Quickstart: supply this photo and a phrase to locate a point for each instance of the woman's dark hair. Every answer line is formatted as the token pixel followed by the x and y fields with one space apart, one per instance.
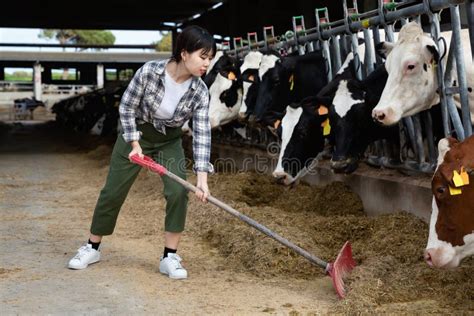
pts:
pixel 192 39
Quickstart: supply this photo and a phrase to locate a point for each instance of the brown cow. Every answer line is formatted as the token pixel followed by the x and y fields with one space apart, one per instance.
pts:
pixel 451 236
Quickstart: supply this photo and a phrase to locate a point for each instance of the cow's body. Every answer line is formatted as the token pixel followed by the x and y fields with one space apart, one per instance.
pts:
pixel 451 235
pixel 412 82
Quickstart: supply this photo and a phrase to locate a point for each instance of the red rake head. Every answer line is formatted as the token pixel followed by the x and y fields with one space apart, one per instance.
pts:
pixel 341 267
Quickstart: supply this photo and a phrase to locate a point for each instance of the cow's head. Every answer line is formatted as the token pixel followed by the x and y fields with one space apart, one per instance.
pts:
pixel 451 235
pixel 224 89
pixel 274 85
pixel 250 81
pixel 412 82
pixel 302 139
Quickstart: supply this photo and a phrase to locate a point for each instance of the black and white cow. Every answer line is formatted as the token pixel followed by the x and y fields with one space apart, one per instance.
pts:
pixel 302 128
pixel 288 80
pixel 302 134
pixel 225 89
pixel 250 81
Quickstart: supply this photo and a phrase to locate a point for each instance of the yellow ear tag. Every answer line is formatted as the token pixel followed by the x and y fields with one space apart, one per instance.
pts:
pixel 231 76
pixel 454 191
pixel 322 110
pixel 457 179
pixel 326 127
pixel 292 82
pixel 465 176
pixel 276 124
pixel 251 78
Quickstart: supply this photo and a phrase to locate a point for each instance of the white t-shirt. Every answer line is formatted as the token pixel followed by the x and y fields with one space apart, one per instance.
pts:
pixel 173 93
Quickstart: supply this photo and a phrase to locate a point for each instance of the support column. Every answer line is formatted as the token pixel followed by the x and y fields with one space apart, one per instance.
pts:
pixel 2 73
pixel 38 93
pixel 100 76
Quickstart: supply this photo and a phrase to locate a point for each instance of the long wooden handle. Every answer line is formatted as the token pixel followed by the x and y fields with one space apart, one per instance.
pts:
pixel 148 163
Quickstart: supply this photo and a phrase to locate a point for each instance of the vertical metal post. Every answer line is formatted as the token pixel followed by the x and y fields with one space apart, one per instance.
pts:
pixel 418 139
pixel 38 93
pixel 448 96
pixel 461 70
pixel 299 29
pixel 268 35
pixel 100 76
pixel 376 36
pixel 324 42
pixel 354 41
pixel 411 133
pixel 428 124
pixel 253 35
pixel 369 53
pixel 337 54
pixel 435 32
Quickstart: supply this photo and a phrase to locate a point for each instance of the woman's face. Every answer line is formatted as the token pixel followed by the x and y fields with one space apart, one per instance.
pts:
pixel 197 62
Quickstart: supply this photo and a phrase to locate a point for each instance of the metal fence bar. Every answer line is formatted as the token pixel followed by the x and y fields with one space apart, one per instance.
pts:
pixel 369 53
pixel 428 124
pixel 461 70
pixel 435 31
pixel 326 36
pixel 452 110
pixel 418 139
pixel 389 17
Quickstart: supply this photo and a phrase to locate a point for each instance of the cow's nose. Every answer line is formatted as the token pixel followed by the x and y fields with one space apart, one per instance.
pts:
pixel 378 115
pixel 279 174
pixel 428 259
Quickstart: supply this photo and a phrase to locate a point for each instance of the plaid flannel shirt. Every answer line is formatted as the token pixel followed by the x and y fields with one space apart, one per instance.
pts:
pixel 143 97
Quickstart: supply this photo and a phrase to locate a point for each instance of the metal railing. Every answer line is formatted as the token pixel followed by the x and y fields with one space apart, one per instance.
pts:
pixel 326 36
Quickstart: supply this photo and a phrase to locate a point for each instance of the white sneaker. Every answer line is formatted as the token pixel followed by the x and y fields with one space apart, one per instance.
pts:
pixel 85 255
pixel 171 266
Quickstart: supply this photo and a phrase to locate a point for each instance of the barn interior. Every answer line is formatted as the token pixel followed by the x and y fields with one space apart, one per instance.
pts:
pixel 50 176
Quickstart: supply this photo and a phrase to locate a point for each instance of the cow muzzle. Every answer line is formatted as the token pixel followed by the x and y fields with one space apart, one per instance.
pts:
pixel 242 116
pixel 442 257
pixel 283 178
pixel 384 116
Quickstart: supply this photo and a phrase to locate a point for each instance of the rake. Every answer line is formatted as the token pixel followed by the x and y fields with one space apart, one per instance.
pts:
pixel 337 270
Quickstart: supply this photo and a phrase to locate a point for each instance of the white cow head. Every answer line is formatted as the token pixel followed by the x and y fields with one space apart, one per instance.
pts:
pixel 412 82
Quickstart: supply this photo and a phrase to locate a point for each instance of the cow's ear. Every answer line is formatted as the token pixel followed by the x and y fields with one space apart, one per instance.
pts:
pixel 434 52
pixel 384 48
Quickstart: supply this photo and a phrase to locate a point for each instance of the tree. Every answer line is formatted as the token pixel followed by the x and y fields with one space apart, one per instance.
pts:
pixel 83 37
pixel 165 43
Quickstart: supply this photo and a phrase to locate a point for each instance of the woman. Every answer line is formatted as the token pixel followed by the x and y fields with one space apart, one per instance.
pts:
pixel 160 98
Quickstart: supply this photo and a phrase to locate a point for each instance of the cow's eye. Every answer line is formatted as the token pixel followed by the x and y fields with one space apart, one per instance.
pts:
pixel 441 190
pixel 411 67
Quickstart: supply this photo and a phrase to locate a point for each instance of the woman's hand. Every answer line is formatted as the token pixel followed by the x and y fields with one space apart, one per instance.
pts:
pixel 136 149
pixel 202 186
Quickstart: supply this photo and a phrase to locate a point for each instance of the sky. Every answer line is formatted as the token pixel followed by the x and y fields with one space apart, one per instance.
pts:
pixel 20 35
